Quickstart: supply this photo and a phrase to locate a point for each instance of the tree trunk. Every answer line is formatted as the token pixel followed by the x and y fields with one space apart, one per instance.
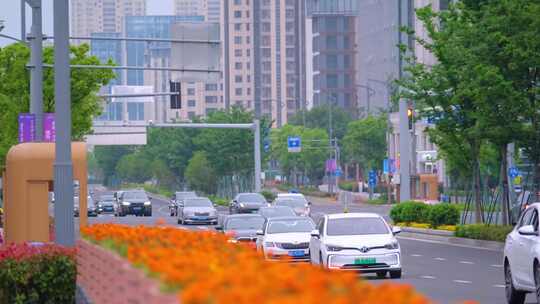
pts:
pixel 477 185
pixel 346 171
pixel 504 179
pixel 357 172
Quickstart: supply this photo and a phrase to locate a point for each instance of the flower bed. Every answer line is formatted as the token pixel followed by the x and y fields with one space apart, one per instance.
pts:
pixel 203 267
pixel 43 273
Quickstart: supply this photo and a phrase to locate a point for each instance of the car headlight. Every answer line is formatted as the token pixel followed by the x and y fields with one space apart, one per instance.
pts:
pixel 126 203
pixel 147 203
pixel 269 244
pixel 232 241
pixel 242 205
pixel 333 248
pixel 392 245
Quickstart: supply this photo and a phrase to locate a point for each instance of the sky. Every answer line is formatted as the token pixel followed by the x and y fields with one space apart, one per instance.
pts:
pixel 10 12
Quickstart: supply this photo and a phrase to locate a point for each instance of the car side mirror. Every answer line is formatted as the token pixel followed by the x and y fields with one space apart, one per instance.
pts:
pixel 309 203
pixel 315 234
pixel 235 201
pixel 527 230
pixel 260 232
pixel 396 230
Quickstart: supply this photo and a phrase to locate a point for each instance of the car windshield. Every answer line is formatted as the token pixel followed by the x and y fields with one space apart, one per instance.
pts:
pixel 135 195
pixel 200 202
pixel 246 223
pixel 293 203
pixel 276 211
pixel 356 226
pixel 290 225
pixel 251 198
pixel 181 195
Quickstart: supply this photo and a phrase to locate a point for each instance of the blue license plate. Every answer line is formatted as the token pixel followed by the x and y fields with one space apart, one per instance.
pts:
pixel 201 218
pixel 137 208
pixel 296 253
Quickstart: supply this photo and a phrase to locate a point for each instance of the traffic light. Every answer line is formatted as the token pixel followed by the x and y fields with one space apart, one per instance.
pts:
pixel 410 118
pixel 176 99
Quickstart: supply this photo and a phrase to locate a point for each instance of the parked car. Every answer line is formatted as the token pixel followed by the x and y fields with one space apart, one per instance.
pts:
pixel 106 203
pixel 134 202
pixel 276 211
pixel 177 199
pixel 362 242
pixel 286 238
pixel 197 210
pixel 247 203
pixel 299 204
pixel 242 227
pixel 522 256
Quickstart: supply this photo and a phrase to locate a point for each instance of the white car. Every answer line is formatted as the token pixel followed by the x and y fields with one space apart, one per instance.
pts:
pixel 300 206
pixel 522 257
pixel 361 242
pixel 286 238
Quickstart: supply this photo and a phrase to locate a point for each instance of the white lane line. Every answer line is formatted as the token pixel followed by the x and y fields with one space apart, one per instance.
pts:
pixel 416 255
pixel 461 282
pixel 163 212
pixel 202 228
pixel 449 244
pixel 428 277
pixel 466 262
pixel 496 266
pixel 499 286
pixel 440 259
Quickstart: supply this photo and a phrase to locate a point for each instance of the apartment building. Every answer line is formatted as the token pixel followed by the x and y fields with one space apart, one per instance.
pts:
pixel 210 9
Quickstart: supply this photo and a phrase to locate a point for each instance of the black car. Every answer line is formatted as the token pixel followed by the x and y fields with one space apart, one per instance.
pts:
pixel 106 203
pixel 134 202
pixel 247 203
pixel 242 227
pixel 178 199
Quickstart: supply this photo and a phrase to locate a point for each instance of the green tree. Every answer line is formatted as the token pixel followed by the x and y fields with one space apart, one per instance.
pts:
pixel 318 117
pixel 108 157
pixel 15 96
pixel 200 174
pixel 365 141
pixel 134 168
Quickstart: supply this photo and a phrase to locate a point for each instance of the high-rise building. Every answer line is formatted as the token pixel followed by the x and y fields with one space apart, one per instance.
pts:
pixel 331 53
pixel 263 56
pixel 97 16
pixel 210 9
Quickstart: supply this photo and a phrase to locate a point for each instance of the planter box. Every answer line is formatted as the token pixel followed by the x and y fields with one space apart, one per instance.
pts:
pixel 108 278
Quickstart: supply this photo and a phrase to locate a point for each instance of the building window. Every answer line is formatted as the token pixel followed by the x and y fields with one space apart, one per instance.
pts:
pixel 265 14
pixel 248 65
pixel 289 52
pixel 237 39
pixel 248 91
pixel 266 93
pixel 291 104
pixel 237 2
pixel 331 42
pixel 191 103
pixel 346 42
pixel 266 78
pixel 331 61
pixel 290 92
pixel 266 53
pixel 265 2
pixel 332 81
pixel 238 26
pixel 211 87
pixel 346 61
pixel 248 27
pixel 238 78
pixel 238 53
pixel 266 27
pixel 267 66
pixel 248 39
pixel 248 52
pixel 290 66
pixel 289 26
pixel 347 80
pixel 248 78
pixel 191 91
pixel 290 39
pixel 266 40
pixel 331 24
pixel 237 14
pixel 238 92
pixel 211 99
pixel 135 110
pixel 238 66
pixel 289 13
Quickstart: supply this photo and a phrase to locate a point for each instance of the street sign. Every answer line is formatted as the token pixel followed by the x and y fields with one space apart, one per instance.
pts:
pixel 294 144
pixel 266 145
pixel 392 165
pixel 27 127
pixel 338 172
pixel 513 172
pixel 49 128
pixel 372 178
pixel 386 166
pixel 331 165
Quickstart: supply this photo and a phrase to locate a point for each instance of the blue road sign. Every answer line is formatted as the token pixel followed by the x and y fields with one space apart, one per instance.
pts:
pixel 294 144
pixel 372 178
pixel 386 166
pixel 513 172
pixel 338 172
pixel 266 145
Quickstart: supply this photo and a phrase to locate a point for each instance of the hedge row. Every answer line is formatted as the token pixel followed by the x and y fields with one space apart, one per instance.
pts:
pixel 418 212
pixel 37 274
pixel 483 232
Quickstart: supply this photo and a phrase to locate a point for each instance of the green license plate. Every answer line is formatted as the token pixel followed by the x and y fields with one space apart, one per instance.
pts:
pixel 365 261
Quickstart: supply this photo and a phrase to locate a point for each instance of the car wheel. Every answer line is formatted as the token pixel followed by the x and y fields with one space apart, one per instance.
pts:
pixel 395 274
pixel 513 296
pixel 537 280
pixel 178 221
pixel 381 274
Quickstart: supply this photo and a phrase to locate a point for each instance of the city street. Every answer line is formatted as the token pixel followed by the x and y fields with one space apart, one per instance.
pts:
pixel 446 273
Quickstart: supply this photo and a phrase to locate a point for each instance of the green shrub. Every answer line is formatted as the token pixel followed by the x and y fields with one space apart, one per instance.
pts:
pixel 348 186
pixel 220 201
pixel 37 274
pixel 443 214
pixel 268 195
pixel 483 232
pixel 409 211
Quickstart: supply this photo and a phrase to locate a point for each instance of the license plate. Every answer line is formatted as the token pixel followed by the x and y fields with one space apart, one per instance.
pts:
pixel 201 218
pixel 365 261
pixel 296 253
pixel 137 208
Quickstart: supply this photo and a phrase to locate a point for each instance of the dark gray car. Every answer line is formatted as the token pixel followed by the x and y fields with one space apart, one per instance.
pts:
pixel 242 227
pixel 178 199
pixel 247 203
pixel 134 202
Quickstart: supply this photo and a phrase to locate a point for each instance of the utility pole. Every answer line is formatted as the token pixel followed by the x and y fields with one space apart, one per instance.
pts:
pixel 63 167
pixel 36 73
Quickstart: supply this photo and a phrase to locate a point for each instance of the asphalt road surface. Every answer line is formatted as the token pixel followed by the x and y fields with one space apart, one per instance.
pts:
pixel 445 273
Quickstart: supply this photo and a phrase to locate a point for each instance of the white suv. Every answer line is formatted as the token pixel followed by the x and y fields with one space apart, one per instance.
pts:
pixel 361 242
pixel 522 257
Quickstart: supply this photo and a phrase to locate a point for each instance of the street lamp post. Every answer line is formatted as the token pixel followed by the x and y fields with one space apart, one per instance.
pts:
pixel 36 73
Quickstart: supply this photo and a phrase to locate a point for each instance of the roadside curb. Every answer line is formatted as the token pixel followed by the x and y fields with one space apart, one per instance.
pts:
pixel 448 237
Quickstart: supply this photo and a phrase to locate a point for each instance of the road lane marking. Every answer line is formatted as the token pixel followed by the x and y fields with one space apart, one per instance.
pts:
pixel 449 244
pixel 416 255
pixel 162 212
pixel 499 286
pixel 466 262
pixel 428 277
pixel 461 282
pixel 440 259
pixel 496 266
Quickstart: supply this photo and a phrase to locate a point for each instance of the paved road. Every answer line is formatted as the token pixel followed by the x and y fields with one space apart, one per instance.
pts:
pixel 445 273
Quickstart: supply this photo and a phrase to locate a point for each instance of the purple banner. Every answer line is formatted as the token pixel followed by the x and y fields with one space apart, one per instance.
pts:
pixel 331 165
pixel 27 127
pixel 49 129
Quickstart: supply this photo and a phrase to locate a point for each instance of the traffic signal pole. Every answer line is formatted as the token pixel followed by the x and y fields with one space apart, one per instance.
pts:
pixel 36 72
